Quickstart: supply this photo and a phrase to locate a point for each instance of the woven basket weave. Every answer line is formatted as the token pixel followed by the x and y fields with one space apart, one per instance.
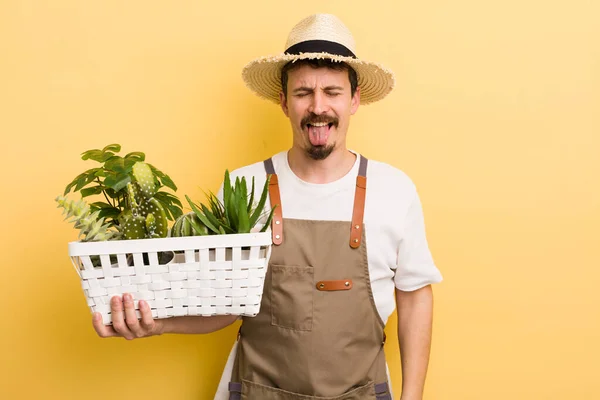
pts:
pixel 208 275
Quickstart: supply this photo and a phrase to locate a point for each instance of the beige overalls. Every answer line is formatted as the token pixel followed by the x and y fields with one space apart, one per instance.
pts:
pixel 318 334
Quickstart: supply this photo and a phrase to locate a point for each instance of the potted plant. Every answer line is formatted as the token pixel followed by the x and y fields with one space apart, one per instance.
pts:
pixel 211 261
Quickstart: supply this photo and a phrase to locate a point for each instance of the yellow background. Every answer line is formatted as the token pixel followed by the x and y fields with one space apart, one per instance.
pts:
pixel 495 117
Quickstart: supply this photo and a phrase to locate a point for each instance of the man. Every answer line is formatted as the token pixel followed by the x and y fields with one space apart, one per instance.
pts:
pixel 349 243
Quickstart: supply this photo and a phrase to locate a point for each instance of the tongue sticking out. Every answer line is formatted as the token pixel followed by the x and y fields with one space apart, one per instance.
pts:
pixel 318 135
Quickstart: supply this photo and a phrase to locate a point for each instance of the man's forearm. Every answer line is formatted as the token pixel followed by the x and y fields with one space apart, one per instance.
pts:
pixel 415 315
pixel 190 324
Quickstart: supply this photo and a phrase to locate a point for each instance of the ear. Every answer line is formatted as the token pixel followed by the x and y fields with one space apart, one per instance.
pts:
pixel 355 102
pixel 283 103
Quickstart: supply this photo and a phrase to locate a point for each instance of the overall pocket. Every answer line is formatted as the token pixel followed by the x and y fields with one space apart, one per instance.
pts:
pixel 292 297
pixel 255 391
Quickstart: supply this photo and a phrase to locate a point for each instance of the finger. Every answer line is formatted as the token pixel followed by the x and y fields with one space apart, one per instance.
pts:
pixel 130 317
pixel 102 330
pixel 147 321
pixel 118 321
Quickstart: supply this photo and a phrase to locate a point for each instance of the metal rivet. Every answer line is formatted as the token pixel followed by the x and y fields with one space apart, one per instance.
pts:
pixel 356 226
pixel 277 222
pixel 322 285
pixel 355 240
pixel 277 236
pixel 347 283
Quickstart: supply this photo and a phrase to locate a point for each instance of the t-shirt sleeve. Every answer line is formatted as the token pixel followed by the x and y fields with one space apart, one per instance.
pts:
pixel 415 265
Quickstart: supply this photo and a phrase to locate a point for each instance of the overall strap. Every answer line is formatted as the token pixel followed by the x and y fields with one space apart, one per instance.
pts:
pixel 274 196
pixel 357 214
pixel 356 228
pixel 235 391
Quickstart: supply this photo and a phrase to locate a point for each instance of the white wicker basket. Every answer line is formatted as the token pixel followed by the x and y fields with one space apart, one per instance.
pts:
pixel 209 275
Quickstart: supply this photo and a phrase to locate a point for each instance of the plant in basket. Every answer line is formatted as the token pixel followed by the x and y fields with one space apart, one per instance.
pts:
pixel 238 212
pixel 212 261
pixel 134 206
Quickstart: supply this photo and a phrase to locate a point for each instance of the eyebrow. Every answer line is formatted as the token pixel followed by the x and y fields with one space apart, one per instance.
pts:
pixel 309 89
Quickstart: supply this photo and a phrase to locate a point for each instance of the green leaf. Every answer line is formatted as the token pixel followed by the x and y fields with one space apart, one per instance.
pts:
pixel 107 156
pixel 244 225
pixel 86 175
pixel 111 193
pixel 244 191
pixel 266 226
pixel 97 155
pixel 112 147
pixel 167 198
pixel 261 203
pixel 268 222
pixel 165 180
pixel 111 212
pixel 100 205
pixel 81 182
pixel 227 192
pixel 251 200
pixel 128 164
pixel 231 208
pixel 116 164
pixel 201 216
pixel 216 206
pixel 91 191
pixel 211 217
pixel 94 154
pixel 174 212
pixel 135 156
pixel 117 182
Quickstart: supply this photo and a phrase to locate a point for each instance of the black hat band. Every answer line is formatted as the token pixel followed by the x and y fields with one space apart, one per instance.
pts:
pixel 320 46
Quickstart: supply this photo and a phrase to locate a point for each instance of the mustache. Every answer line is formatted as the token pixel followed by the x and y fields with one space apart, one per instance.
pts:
pixel 315 119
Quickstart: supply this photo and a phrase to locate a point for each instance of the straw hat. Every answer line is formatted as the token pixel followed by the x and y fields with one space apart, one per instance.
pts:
pixel 318 36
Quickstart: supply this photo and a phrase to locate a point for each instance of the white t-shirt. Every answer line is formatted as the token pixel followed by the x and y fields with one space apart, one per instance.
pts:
pixel 397 249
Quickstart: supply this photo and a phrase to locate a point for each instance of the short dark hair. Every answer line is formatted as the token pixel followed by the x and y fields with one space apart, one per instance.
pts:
pixel 319 63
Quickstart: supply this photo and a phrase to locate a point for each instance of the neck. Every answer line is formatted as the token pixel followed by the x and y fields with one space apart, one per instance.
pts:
pixel 334 167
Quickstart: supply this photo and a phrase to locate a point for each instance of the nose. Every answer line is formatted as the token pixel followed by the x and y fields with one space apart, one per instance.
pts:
pixel 318 104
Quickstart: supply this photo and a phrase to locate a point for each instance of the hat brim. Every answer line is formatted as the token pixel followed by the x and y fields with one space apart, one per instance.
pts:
pixel 263 75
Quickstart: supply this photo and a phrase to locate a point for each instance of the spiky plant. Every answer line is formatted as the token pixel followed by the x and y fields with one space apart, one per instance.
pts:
pixel 91 227
pixel 237 213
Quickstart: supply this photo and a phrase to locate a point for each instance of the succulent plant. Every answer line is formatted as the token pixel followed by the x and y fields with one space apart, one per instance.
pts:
pixel 92 228
pixel 237 213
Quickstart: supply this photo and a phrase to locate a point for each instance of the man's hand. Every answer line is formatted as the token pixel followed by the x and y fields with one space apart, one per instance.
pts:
pixel 125 322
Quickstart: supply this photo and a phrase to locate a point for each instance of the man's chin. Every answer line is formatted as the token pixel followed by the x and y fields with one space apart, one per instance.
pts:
pixel 320 152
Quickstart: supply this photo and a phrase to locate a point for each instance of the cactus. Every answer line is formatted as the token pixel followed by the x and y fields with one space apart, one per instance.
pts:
pixel 145 217
pixel 188 225
pixel 91 228
pixel 145 178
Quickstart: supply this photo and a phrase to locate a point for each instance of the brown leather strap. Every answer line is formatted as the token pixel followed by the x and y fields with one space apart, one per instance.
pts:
pixel 345 284
pixel 359 204
pixel 277 222
pixel 275 198
pixel 358 212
